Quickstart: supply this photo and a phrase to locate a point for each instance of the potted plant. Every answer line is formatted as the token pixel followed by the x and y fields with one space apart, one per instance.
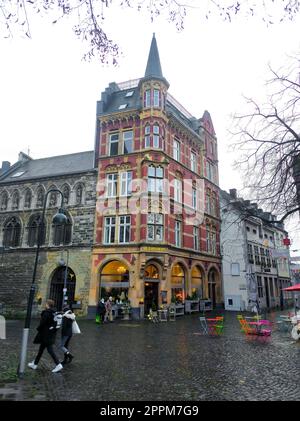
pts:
pixel 154 309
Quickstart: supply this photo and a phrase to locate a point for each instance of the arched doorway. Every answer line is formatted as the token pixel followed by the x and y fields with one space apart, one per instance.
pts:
pixel 197 282
pixel 114 281
pixel 151 283
pixel 57 285
pixel 212 281
pixel 178 280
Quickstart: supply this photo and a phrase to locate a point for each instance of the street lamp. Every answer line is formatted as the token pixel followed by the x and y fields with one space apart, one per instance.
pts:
pixel 59 219
pixel 65 297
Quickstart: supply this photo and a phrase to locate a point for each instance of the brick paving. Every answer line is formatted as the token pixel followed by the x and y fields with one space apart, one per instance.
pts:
pixel 126 361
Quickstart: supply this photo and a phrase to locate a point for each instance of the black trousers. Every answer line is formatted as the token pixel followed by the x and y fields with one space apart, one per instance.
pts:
pixel 50 351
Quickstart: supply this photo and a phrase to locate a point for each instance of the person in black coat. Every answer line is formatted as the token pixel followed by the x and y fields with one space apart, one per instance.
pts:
pixel 101 310
pixel 46 337
pixel 66 333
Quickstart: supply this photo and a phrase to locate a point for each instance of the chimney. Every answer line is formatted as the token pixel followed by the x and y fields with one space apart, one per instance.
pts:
pixel 5 166
pixel 233 193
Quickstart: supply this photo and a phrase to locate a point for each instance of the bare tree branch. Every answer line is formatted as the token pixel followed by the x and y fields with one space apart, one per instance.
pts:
pixel 267 139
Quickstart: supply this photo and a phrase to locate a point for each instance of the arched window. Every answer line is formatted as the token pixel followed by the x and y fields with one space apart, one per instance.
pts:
pixel 197 282
pixel 208 201
pixel 214 204
pixel 147 136
pixel 114 281
pixel 33 230
pixel 12 233
pixel 58 284
pixel 15 200
pixel 53 198
pixel 151 272
pixel 178 283
pixel 28 198
pixel 40 197
pixel 62 233
pixel 79 194
pixel 66 194
pixel 4 201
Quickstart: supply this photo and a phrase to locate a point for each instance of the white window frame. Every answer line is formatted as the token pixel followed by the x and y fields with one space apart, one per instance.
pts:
pixel 147 136
pixel 155 182
pixel 193 161
pixel 178 233
pixel 113 141
pixel 125 183
pixel 176 150
pixel 156 222
pixel 147 98
pixel 178 190
pixel 111 185
pixel 235 269
pixel 109 227
pixel 125 134
pixel 156 98
pixel 156 136
pixel 124 222
pixel 194 198
pixel 196 237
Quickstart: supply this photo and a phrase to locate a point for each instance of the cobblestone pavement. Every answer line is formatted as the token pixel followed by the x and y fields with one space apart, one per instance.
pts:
pixel 167 361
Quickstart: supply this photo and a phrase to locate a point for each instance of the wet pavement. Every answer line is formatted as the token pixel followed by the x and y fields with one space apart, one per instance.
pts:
pixel 134 361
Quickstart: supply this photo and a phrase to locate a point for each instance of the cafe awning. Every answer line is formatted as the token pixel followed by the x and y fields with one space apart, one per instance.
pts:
pixel 292 288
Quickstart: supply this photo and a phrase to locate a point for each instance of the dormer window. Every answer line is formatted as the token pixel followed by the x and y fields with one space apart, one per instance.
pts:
pixel 122 106
pixel 129 94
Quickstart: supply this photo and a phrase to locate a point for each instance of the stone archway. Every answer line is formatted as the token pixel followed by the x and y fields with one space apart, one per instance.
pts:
pixel 178 283
pixel 197 281
pixel 57 285
pixel 213 285
pixel 114 281
pixel 152 276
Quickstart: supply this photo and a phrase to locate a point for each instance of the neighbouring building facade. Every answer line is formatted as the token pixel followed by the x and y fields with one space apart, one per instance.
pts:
pixel 23 188
pixel 255 256
pixel 157 225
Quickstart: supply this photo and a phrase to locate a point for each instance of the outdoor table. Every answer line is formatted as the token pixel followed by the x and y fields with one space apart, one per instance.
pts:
pixel 258 324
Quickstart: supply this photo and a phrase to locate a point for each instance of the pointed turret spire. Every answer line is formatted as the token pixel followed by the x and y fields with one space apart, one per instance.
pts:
pixel 153 68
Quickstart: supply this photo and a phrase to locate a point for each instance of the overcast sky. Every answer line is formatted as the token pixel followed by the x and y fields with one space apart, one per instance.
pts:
pixel 48 94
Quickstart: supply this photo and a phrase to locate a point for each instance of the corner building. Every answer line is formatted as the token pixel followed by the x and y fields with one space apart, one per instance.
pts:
pixel 157 223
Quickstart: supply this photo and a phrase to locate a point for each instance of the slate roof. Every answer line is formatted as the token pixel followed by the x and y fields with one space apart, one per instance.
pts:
pixel 153 68
pixel 50 167
pixel 116 99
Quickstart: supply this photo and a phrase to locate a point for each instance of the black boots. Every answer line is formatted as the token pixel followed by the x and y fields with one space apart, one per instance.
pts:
pixel 68 358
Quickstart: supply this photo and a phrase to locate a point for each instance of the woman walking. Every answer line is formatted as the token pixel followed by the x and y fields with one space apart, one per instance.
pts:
pixel 46 337
pixel 68 318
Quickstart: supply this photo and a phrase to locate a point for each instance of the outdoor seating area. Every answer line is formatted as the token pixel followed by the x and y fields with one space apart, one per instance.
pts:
pixel 255 325
pixel 162 315
pixel 212 326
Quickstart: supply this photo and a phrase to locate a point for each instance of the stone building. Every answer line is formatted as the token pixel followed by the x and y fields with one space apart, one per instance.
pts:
pixel 157 225
pixel 255 256
pixel 23 188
